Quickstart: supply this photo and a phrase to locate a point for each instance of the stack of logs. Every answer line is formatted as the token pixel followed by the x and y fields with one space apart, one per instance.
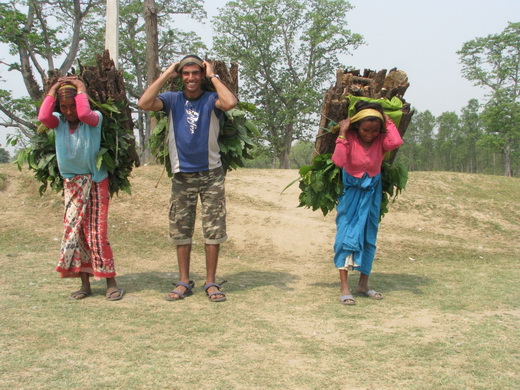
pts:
pixel 105 82
pixel 374 85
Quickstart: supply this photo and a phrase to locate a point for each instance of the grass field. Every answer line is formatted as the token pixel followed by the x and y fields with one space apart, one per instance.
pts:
pixel 448 263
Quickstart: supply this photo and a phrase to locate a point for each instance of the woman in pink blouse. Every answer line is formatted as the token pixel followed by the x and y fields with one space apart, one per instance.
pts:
pixel 361 145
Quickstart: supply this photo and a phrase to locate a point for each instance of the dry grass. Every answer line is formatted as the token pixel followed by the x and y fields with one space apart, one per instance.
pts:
pixel 447 263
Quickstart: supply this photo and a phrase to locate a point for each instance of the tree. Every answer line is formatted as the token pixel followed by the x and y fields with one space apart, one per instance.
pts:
pixel 38 32
pixel 471 132
pixel 419 145
pixel 287 50
pixel 4 156
pixel 301 154
pixel 447 136
pixel 493 62
pixel 149 43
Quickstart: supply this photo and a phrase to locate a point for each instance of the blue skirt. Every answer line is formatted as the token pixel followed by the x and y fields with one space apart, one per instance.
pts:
pixel 357 221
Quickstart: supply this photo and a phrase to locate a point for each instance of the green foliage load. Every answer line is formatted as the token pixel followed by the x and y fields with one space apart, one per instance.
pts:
pixel 114 153
pixel 235 140
pixel 394 178
pixel 321 184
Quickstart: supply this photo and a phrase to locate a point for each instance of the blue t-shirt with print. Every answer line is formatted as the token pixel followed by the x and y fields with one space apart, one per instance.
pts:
pixel 193 132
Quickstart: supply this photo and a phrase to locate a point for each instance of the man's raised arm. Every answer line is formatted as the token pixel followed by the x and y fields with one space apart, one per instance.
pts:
pixel 226 99
pixel 149 100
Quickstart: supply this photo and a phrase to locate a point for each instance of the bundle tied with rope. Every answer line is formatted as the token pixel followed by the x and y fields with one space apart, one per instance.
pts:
pixel 237 130
pixel 106 93
pixel 321 182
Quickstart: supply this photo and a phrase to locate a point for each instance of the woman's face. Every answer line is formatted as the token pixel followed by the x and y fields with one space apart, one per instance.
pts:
pixel 368 131
pixel 68 109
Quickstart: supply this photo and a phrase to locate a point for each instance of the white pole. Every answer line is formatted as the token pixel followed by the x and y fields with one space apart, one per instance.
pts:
pixel 112 30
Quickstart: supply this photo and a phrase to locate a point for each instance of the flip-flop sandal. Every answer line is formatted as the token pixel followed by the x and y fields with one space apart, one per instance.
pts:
pixel 211 295
pixel 77 295
pixel 372 294
pixel 112 297
pixel 347 300
pixel 187 293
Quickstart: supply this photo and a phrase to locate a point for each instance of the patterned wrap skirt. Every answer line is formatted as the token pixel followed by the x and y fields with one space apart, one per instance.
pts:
pixel 357 222
pixel 85 246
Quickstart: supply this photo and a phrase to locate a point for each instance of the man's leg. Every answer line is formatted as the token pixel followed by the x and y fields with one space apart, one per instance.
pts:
pixel 213 199
pixel 183 259
pixel 212 251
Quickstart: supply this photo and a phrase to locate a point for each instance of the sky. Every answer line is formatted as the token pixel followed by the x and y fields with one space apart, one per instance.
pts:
pixel 420 37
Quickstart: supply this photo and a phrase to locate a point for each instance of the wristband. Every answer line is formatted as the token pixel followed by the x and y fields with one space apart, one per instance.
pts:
pixel 343 138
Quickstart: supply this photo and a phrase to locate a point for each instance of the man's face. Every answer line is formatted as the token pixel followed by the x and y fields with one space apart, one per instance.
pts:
pixel 192 78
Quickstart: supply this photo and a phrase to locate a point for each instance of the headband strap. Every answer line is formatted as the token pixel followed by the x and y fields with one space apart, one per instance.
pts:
pixel 67 91
pixel 188 60
pixel 365 114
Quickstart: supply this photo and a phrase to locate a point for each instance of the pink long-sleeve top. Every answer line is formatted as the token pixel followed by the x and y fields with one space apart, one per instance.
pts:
pixel 85 113
pixel 358 160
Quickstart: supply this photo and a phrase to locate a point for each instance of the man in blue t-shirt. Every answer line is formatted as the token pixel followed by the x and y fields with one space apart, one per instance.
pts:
pixel 194 116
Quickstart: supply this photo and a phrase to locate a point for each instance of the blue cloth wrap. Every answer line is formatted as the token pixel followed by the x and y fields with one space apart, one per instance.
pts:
pixel 357 221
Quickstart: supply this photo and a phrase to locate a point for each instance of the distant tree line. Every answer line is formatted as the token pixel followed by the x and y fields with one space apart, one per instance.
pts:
pixel 457 143
pixel 287 51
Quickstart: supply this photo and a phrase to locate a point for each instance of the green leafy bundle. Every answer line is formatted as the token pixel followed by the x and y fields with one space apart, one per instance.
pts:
pixel 235 139
pixel 114 153
pixel 321 184
pixel 394 178
pixel 41 158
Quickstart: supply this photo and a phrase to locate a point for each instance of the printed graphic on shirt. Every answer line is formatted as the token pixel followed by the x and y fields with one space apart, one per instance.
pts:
pixel 192 117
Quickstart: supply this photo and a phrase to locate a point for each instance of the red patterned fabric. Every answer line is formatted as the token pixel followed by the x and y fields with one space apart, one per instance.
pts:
pixel 85 246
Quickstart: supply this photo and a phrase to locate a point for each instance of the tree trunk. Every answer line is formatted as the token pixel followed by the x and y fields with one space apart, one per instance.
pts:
pixel 152 67
pixel 507 158
pixel 285 162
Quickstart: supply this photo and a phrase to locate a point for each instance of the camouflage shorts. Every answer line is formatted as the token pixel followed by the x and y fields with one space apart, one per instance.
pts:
pixel 186 188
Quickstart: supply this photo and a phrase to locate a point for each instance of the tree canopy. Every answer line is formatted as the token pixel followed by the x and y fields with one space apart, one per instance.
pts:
pixel 49 35
pixel 287 50
pixel 493 62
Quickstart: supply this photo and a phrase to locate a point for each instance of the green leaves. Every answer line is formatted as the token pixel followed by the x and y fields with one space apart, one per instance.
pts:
pixel 235 141
pixel 114 153
pixel 394 178
pixel 287 51
pixel 320 184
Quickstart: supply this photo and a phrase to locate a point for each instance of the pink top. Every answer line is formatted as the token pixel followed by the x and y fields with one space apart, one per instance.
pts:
pixel 356 159
pixel 85 113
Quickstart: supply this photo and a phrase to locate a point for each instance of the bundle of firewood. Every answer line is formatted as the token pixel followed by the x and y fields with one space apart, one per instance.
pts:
pixel 106 92
pixel 373 85
pixel 321 182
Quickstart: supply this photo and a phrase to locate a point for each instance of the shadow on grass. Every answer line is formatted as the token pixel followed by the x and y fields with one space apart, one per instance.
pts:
pixel 240 281
pixel 386 282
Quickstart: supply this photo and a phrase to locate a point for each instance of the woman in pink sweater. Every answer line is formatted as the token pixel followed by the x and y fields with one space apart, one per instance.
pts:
pixel 361 145
pixel 85 250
